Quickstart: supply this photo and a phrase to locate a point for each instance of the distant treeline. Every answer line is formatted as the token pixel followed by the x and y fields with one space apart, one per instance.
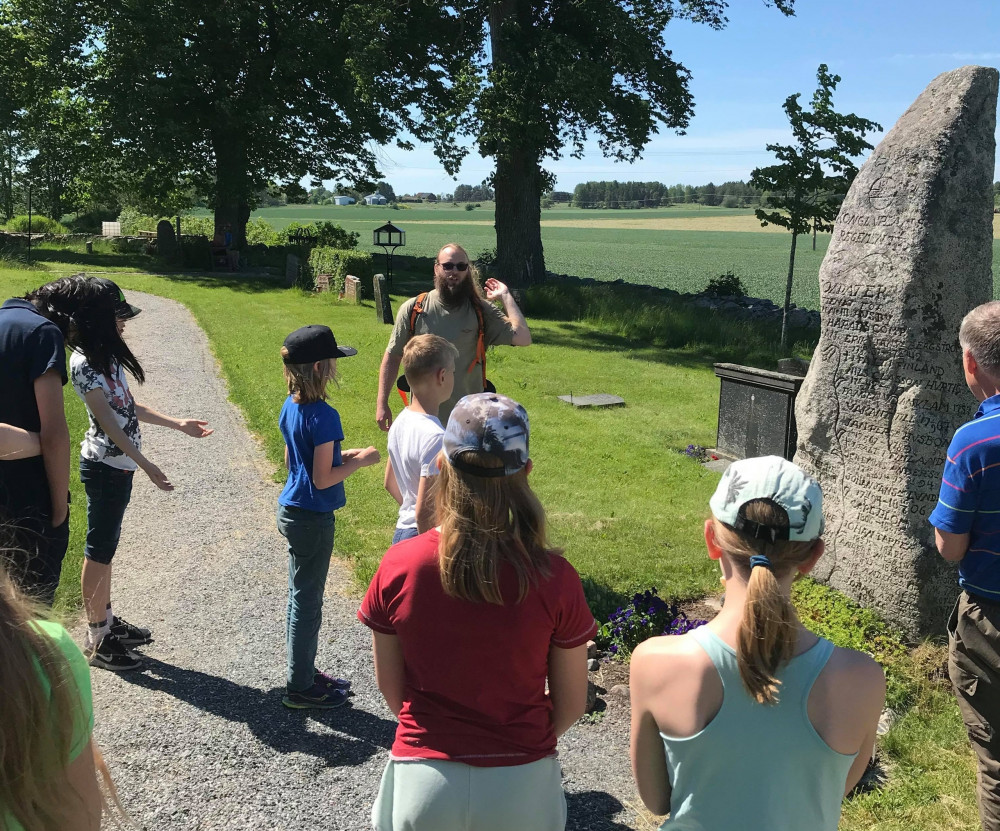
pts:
pixel 656 195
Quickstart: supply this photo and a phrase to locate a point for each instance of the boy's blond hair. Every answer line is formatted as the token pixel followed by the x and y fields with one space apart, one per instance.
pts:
pixel 307 385
pixel 424 355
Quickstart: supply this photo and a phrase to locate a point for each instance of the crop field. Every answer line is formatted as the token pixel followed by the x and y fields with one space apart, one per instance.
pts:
pixel 681 248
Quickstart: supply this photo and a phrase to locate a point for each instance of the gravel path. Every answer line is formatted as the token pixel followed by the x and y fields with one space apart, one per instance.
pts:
pixel 199 739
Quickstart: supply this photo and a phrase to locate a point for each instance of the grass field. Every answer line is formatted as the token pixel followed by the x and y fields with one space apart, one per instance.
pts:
pixel 681 248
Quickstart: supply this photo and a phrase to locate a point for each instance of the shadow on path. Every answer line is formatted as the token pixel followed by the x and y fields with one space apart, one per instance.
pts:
pixel 593 811
pixel 360 735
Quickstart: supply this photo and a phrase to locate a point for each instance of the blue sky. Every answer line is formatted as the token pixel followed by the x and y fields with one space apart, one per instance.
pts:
pixel 886 52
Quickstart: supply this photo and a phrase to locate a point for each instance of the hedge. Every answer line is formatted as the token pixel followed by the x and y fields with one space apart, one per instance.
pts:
pixel 338 263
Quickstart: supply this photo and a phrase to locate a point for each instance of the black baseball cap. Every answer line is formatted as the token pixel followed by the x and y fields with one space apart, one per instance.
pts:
pixel 123 309
pixel 314 343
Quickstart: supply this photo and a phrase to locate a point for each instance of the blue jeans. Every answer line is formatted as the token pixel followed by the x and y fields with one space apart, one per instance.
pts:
pixel 109 490
pixel 401 534
pixel 310 546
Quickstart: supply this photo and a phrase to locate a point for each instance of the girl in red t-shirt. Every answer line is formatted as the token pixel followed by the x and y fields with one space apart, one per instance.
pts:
pixel 469 620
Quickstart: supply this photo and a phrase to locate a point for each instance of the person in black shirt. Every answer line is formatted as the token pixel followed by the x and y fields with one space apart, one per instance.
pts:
pixel 34 492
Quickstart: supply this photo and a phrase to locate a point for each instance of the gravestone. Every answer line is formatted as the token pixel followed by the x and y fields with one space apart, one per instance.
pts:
pixel 382 307
pixel 166 241
pixel 910 255
pixel 291 269
pixel 756 412
pixel 352 289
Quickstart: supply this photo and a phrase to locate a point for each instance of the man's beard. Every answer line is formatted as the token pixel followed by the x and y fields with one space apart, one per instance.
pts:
pixel 454 295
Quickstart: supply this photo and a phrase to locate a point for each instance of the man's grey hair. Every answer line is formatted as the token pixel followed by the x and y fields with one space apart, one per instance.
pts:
pixel 980 334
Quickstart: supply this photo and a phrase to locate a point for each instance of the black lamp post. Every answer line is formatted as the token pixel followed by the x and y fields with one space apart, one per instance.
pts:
pixel 389 238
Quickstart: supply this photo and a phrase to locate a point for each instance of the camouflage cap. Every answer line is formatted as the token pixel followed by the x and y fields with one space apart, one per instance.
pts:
pixel 489 423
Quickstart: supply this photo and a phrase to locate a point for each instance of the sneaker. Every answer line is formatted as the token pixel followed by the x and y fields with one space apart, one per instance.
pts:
pixel 320 695
pixel 329 680
pixel 129 634
pixel 111 654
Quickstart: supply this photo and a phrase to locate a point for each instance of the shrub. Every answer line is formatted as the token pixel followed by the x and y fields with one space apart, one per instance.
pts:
pixel 197 226
pixel 726 285
pixel 324 234
pixel 469 206
pixel 132 221
pixel 487 257
pixel 338 263
pixel 196 252
pixel 39 225
pixel 90 221
pixel 646 616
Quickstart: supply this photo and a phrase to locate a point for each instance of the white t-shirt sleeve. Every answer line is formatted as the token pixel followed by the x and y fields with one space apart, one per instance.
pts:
pixel 428 457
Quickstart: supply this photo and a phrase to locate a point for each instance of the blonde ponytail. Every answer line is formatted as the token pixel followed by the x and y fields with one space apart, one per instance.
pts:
pixel 768 630
pixel 767 635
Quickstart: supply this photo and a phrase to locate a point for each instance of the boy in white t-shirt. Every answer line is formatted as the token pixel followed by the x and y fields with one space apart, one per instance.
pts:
pixel 415 436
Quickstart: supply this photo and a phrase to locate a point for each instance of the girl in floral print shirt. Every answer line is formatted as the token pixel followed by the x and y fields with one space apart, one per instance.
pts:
pixel 110 454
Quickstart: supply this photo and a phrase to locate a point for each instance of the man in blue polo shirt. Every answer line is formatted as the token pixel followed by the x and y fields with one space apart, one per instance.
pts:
pixel 966 524
pixel 34 492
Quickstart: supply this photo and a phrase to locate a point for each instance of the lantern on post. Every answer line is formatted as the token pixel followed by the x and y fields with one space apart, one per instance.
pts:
pixel 388 237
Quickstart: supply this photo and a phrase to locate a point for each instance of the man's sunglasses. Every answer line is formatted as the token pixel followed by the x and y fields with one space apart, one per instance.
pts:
pixel 456 266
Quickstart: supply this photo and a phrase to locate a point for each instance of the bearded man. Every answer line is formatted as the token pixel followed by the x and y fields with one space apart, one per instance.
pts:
pixel 450 311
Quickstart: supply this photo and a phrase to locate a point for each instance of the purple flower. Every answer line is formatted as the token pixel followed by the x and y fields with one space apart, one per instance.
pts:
pixel 613 649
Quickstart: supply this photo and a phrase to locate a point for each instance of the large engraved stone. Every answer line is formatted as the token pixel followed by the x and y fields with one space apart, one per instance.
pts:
pixel 910 255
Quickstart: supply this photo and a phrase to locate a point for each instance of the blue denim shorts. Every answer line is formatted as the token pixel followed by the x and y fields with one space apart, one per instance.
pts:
pixel 108 493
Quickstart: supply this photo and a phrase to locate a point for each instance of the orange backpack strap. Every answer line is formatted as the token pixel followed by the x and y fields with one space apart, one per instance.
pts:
pixel 418 308
pixel 480 342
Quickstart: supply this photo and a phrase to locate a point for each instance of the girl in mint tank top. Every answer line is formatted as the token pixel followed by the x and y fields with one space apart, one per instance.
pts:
pixel 752 721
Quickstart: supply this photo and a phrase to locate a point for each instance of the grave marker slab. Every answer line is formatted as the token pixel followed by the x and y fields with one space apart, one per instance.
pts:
pixel 599 399
pixel 911 253
pixel 382 306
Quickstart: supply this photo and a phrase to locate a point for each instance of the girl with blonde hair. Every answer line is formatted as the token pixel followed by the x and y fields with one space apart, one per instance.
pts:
pixel 48 779
pixel 752 721
pixel 469 619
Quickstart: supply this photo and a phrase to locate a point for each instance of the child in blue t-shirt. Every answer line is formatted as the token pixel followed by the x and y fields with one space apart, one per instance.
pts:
pixel 317 468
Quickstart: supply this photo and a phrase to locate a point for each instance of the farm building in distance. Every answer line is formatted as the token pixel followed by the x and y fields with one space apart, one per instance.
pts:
pixel 375 199
pixel 343 200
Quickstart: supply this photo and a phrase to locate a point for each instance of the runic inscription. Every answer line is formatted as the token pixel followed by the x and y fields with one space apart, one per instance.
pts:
pixel 910 255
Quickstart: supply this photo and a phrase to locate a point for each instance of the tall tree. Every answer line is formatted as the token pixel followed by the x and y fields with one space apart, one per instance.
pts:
pixel 555 73
pixel 230 96
pixel 814 172
pixel 47 136
pixel 386 190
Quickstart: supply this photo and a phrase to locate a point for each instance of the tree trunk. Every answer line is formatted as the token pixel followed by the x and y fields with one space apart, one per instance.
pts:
pixel 232 188
pixel 788 293
pixel 518 186
pixel 518 180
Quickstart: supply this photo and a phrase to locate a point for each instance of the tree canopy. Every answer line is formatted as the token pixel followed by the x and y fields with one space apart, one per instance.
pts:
pixel 555 74
pixel 229 97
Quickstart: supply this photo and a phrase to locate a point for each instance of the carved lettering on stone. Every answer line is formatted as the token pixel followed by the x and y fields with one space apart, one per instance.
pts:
pixel 911 253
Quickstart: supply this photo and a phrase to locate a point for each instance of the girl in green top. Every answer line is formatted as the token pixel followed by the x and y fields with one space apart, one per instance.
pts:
pixel 48 779
pixel 752 721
